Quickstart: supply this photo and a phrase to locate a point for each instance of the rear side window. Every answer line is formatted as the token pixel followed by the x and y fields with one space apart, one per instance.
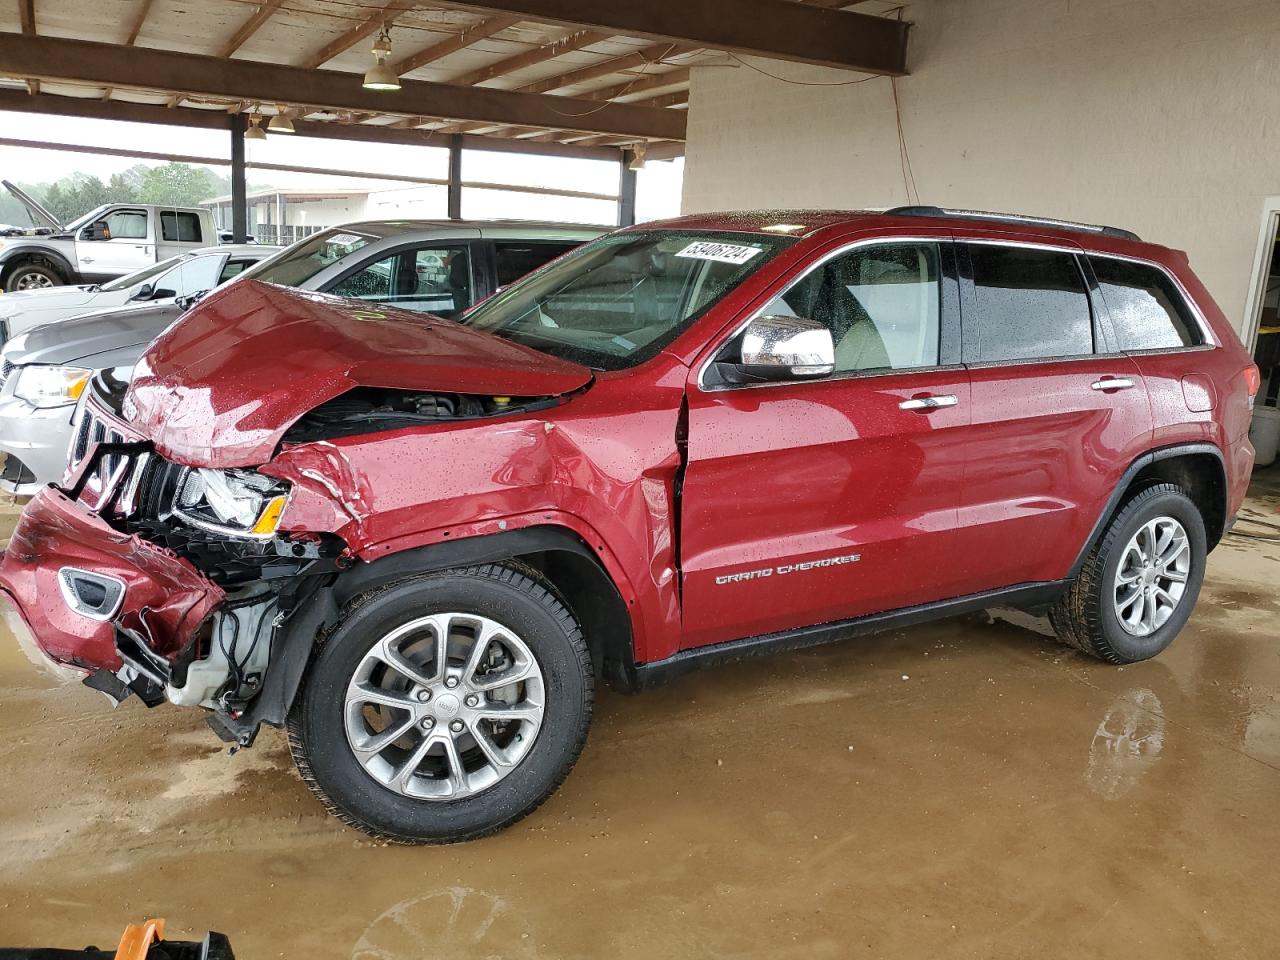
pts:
pixel 1029 304
pixel 515 259
pixel 176 227
pixel 1147 310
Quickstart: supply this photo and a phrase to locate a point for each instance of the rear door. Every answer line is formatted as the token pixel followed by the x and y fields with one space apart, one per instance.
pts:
pixel 809 502
pixel 1058 413
pixel 181 231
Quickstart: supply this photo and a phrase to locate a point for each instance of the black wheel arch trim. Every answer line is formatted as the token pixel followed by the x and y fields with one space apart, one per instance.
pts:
pixel 318 601
pixel 23 251
pixel 1138 465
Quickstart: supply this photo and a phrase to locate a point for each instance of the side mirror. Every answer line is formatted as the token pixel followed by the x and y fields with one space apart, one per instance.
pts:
pixel 778 348
pixel 163 294
pixel 143 293
pixel 97 231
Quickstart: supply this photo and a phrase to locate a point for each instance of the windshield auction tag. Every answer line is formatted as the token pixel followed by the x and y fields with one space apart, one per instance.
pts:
pixel 722 252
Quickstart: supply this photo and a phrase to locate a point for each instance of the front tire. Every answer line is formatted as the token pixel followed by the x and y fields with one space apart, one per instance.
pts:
pixel 1138 586
pixel 446 707
pixel 31 276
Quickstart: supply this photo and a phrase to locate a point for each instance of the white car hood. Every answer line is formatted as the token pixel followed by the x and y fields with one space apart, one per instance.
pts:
pixel 50 298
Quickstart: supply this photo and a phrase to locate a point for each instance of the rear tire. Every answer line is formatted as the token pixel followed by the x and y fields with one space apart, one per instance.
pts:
pixel 31 276
pixel 397 734
pixel 1138 586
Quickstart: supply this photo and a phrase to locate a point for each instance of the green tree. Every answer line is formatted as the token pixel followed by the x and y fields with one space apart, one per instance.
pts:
pixel 178 184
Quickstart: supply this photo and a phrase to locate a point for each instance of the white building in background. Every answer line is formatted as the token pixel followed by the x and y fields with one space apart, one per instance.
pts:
pixel 283 216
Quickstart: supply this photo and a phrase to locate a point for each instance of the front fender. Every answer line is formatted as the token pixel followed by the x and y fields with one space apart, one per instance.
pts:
pixel 21 251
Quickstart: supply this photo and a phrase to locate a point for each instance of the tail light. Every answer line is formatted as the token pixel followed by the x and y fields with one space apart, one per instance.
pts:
pixel 1252 380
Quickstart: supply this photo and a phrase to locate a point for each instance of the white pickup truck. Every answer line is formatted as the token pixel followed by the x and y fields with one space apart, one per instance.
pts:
pixel 109 242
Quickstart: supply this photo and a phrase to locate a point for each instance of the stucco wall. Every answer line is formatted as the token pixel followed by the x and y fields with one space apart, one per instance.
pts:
pixel 1162 116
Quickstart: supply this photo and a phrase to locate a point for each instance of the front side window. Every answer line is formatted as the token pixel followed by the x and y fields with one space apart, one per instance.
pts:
pixel 881 303
pixel 178 227
pixel 127 224
pixel 619 300
pixel 1147 311
pixel 191 276
pixel 431 279
pixel 144 275
pixel 302 261
pixel 1029 304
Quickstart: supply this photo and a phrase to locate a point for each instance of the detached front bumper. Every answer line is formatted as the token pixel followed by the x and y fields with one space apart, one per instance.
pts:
pixel 81 586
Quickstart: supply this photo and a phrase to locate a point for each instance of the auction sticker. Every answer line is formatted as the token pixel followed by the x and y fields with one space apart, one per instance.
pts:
pixel 721 252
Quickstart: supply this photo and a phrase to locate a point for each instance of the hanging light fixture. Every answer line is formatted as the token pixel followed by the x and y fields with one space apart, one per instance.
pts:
pixel 637 156
pixel 281 122
pixel 380 76
pixel 255 131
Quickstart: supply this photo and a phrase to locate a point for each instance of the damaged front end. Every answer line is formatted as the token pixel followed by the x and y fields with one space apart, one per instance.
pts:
pixel 195 549
pixel 165 581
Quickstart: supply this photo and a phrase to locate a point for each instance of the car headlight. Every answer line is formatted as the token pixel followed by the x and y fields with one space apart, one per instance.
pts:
pixel 45 386
pixel 237 502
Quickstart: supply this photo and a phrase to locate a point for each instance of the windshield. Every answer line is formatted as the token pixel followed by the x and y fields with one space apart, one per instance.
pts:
pixel 302 261
pixel 89 217
pixel 616 302
pixel 145 274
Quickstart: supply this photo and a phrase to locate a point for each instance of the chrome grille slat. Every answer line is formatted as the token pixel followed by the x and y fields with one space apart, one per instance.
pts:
pixel 149 482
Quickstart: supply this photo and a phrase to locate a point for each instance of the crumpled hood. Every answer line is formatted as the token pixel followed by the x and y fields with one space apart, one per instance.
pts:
pixel 220 387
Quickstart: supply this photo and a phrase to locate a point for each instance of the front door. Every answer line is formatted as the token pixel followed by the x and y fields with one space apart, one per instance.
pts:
pixel 130 245
pixel 808 502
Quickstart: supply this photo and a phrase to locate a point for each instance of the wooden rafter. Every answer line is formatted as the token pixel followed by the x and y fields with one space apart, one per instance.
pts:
pixel 530 58
pixel 78 61
pixel 481 30
pixel 642 84
pixel 47 104
pixel 140 18
pixel 361 31
pixel 606 68
pixel 265 12
pixel 27 16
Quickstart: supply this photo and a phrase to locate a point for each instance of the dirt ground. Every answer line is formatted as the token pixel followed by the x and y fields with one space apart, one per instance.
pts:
pixel 964 789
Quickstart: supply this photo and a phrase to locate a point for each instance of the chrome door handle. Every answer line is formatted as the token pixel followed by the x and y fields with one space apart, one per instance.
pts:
pixel 1113 383
pixel 928 403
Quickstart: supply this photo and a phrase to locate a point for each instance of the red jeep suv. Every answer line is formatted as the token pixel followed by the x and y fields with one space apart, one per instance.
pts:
pixel 419 544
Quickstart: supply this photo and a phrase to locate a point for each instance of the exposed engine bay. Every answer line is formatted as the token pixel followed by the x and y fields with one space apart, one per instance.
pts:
pixel 370 409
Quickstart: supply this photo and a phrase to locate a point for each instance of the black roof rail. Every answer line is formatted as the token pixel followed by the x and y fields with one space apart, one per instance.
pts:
pixel 926 211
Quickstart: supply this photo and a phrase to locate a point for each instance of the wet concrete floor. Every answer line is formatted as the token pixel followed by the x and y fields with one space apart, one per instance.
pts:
pixel 963 789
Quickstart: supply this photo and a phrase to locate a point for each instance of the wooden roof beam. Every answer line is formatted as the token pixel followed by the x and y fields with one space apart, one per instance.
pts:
pixel 53 105
pixel 27 17
pixel 99 64
pixel 778 29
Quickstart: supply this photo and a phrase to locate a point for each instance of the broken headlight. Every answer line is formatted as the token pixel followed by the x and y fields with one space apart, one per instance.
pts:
pixel 236 502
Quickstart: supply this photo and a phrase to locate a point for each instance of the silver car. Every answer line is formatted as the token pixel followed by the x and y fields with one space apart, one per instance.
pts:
pixel 178 276
pixel 440 267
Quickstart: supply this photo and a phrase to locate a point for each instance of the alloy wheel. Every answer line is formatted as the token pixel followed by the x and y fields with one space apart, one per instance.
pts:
pixel 1152 576
pixel 32 281
pixel 444 706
